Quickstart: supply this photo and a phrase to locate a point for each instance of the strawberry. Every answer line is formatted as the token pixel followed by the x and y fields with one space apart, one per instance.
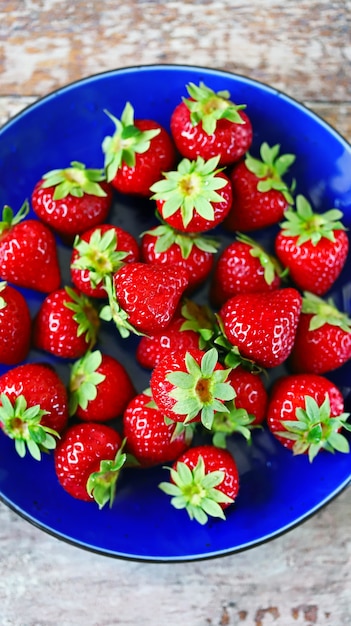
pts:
pixel 244 266
pixel 313 246
pixel 152 348
pixel 33 407
pixel 208 124
pixel 99 387
pixel 204 481
pixel 260 195
pixel 262 325
pixel 195 197
pixel 165 245
pixel 99 252
pixel 66 324
pixel 143 298
pixel 72 199
pixel 28 253
pixel 323 337
pixel 88 461
pixel 306 412
pixel 137 153
pixel 149 438
pixel 15 325
pixel 191 386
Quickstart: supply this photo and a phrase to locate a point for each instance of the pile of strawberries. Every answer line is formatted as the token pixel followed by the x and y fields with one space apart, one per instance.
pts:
pixel 207 360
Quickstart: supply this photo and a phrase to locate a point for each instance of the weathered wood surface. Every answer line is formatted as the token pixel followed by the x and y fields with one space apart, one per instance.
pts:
pixel 304 577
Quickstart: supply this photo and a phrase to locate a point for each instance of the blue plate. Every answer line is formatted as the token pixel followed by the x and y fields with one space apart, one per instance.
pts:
pixel 278 491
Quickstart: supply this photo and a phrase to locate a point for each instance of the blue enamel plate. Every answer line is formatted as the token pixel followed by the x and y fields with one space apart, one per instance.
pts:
pixel 277 490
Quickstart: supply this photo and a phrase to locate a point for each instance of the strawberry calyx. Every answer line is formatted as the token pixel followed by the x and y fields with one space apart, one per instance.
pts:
pixel 84 379
pixel 75 181
pixel 270 169
pixel 98 255
pixel 315 429
pixel 202 389
pixel 196 491
pixel 192 188
pixel 101 485
pixel 113 312
pixel 324 312
pixel 270 264
pixel 126 142
pixel 3 303
pixel 207 106
pixel 307 225
pixel 9 218
pixel 167 236
pixel 85 315
pixel 22 424
pixel 236 420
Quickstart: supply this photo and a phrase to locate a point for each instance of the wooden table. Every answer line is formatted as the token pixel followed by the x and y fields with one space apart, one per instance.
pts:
pixel 304 48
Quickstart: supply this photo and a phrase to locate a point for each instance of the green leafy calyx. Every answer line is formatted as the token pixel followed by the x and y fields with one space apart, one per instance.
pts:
pixel 127 141
pixel 76 181
pixel 236 420
pixel 324 312
pixel 307 225
pixel 270 264
pixel 113 312
pixel 9 218
pixel 84 380
pixel 207 106
pixel 85 315
pixel 190 189
pixel 99 256
pixel 270 169
pixel 202 389
pixel 168 236
pixel 196 491
pixel 101 485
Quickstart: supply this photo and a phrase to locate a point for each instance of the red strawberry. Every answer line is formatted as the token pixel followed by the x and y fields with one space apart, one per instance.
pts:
pixel 15 325
pixel 194 198
pixel 34 407
pixel 66 324
pixel 28 253
pixel 73 199
pixel 244 266
pixel 99 387
pixel 137 153
pixel 153 348
pixel 263 325
pixel 149 438
pixel 100 252
pixel 306 412
pixel 208 124
pixel 313 246
pixel 204 481
pixel 323 337
pixel 88 460
pixel 260 196
pixel 165 245
pixel 143 298
pixel 191 386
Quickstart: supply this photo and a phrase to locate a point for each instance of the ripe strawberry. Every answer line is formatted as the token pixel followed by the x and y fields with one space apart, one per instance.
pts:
pixel 188 200
pixel 88 460
pixel 149 438
pixel 306 412
pixel 73 199
pixel 313 246
pixel 260 195
pixel 208 124
pixel 151 349
pixel 165 245
pixel 191 386
pixel 99 387
pixel 28 253
pixel 323 337
pixel 98 253
pixel 244 266
pixel 143 298
pixel 15 325
pixel 204 481
pixel 33 407
pixel 263 325
pixel 66 324
pixel 137 153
